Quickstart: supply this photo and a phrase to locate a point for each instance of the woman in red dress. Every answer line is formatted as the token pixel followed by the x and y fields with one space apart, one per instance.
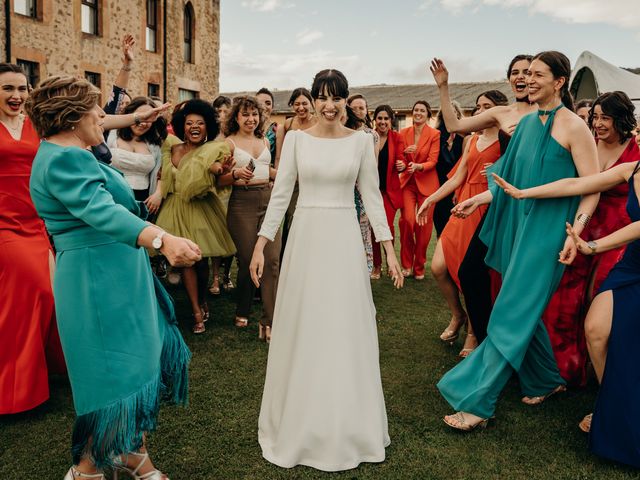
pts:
pixel 27 328
pixel 564 316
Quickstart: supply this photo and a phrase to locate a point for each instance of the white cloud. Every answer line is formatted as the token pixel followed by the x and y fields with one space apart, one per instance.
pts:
pixel 266 5
pixel 622 13
pixel 307 36
pixel 242 70
pixel 461 70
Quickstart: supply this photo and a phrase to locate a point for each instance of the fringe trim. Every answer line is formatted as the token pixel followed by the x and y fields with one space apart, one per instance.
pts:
pixel 117 429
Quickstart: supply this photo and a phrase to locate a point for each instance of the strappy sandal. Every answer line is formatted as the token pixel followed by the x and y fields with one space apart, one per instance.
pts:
pixel 198 326
pixel 541 399
pixel 465 352
pixel 585 423
pixel 154 474
pixel 450 335
pixel 215 286
pixel 458 422
pixel 74 474
pixel 204 309
pixel 241 322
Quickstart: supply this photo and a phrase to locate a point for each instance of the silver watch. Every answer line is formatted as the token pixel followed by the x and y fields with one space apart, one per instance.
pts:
pixel 157 241
pixel 592 245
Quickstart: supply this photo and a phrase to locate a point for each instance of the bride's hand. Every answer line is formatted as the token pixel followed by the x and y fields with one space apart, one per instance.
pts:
pixel 256 267
pixel 393 267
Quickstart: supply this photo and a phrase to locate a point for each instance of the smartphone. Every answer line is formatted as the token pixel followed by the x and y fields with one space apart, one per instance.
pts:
pixel 251 165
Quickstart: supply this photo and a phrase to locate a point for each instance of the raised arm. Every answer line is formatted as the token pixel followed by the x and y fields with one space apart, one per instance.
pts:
pixel 625 235
pixel 454 124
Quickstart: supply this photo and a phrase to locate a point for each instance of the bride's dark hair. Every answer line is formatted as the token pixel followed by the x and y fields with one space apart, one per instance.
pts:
pixel 330 82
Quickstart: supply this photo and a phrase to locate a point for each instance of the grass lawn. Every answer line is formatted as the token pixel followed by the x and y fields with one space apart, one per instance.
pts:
pixel 216 436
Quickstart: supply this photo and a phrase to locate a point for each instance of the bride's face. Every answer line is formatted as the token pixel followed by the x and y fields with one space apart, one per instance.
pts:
pixel 330 108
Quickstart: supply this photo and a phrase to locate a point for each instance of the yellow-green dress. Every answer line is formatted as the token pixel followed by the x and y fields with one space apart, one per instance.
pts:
pixel 191 207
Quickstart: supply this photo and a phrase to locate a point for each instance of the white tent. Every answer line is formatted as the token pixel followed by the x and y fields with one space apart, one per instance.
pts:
pixel 593 76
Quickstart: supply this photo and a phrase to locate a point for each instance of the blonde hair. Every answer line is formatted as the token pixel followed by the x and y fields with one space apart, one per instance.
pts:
pixel 59 103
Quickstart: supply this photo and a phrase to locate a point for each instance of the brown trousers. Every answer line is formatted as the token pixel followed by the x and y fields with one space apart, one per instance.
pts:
pixel 246 211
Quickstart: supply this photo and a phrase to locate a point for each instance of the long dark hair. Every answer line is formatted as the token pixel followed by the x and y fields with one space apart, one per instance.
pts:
pixel 11 68
pixel 196 106
pixel 156 133
pixel 245 102
pixel 496 97
pixel 619 107
pixel 516 59
pixel 367 118
pixel 353 121
pixel 560 67
pixel 300 91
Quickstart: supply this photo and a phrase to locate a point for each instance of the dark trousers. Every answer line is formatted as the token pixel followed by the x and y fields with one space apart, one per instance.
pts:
pixel 246 211
pixel 475 283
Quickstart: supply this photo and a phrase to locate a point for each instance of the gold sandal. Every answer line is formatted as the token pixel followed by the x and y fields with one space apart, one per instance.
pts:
pixel 585 423
pixel 539 400
pixel 458 422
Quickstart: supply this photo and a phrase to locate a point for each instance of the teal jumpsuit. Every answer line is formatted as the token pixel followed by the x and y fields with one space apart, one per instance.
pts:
pixel 524 238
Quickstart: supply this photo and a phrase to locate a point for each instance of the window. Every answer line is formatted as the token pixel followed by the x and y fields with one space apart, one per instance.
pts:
pixel 153 90
pixel 400 122
pixel 93 78
pixel 184 94
pixel 26 7
pixel 89 17
pixel 188 32
pixel 32 70
pixel 152 26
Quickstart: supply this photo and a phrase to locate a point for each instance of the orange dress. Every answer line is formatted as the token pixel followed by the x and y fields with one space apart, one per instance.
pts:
pixel 458 232
pixel 27 328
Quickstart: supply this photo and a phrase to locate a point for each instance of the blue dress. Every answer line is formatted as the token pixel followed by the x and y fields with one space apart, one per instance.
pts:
pixel 615 428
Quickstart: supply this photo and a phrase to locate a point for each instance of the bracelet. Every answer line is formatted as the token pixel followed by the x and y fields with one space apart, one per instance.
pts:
pixel 126 67
pixel 136 119
pixel 233 174
pixel 583 218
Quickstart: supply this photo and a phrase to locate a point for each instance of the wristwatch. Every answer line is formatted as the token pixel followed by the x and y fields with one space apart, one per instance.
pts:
pixel 592 245
pixel 157 241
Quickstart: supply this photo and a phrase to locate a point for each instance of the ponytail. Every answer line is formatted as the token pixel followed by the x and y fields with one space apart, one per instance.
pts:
pixel 566 97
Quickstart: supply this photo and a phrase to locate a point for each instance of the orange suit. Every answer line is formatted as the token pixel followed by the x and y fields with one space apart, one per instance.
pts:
pixel 414 239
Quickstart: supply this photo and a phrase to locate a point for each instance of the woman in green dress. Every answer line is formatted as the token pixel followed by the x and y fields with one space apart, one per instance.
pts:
pixel 123 350
pixel 191 208
pixel 547 145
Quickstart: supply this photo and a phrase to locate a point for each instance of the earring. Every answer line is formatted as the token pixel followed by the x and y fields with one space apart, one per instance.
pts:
pixel 73 127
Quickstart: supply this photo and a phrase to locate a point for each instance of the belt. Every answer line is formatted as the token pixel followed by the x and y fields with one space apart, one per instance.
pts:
pixel 81 239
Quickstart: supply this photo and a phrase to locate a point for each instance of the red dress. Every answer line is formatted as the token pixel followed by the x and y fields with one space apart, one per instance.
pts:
pixel 27 328
pixel 565 313
pixel 458 232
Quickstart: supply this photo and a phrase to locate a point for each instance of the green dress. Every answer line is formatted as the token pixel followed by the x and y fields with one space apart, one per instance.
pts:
pixel 123 350
pixel 524 238
pixel 191 207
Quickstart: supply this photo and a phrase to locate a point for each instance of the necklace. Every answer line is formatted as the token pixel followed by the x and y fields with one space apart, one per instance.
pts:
pixel 549 112
pixel 9 127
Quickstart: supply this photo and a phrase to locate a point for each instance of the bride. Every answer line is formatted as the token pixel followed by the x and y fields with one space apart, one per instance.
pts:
pixel 322 404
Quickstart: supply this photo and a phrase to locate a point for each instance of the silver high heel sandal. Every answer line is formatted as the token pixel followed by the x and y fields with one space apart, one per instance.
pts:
pixel 73 474
pixel 154 474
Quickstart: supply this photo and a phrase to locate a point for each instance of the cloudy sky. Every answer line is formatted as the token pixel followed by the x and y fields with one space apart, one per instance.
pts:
pixel 283 43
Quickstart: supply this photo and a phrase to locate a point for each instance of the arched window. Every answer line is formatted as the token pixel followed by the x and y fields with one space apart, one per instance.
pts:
pixel 152 26
pixel 189 24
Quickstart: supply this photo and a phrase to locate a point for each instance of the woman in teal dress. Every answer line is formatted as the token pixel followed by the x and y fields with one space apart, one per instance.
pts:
pixel 123 350
pixel 548 145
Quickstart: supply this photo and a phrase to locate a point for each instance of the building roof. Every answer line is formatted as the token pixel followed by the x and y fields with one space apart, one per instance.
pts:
pixel 402 97
pixel 593 76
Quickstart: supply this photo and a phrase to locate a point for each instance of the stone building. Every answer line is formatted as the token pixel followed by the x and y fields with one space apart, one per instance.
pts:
pixel 177 42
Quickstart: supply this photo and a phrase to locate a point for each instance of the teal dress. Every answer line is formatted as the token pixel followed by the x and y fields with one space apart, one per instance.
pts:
pixel 524 238
pixel 123 350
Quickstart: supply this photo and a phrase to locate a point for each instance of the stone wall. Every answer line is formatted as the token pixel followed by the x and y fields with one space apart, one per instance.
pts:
pixel 56 42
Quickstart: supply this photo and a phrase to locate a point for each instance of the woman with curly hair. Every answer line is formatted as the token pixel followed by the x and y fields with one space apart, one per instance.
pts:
pixel 123 354
pixel 251 178
pixel 191 209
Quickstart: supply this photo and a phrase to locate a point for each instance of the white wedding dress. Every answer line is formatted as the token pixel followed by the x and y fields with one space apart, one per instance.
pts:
pixel 323 404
